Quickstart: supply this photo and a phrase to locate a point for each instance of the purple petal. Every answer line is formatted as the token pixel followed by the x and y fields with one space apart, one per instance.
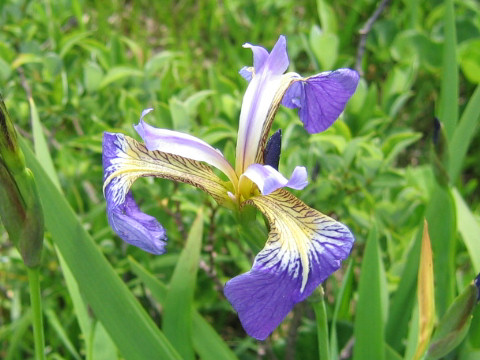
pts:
pixel 260 55
pixel 247 73
pixel 321 98
pixel 268 179
pixel 278 62
pixel 304 248
pixel 135 227
pixel 124 216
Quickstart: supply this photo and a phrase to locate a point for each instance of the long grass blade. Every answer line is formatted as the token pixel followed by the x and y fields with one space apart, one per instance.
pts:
pixel 177 318
pixel 207 343
pixel 134 333
pixel 369 329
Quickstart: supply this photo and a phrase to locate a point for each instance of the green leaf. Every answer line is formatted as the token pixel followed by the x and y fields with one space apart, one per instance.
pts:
pixel 453 327
pixel 325 47
pixel 403 299
pixel 343 298
pixel 469 55
pixel 463 135
pixel 129 326
pixel 469 229
pixel 207 343
pixel 396 143
pixel 369 332
pixel 177 316
pixel 40 144
pixel 119 73
pixel 448 105
pixel 441 219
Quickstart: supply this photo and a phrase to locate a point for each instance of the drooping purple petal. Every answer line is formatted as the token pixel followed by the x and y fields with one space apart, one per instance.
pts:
pixel 135 227
pixel 268 179
pixel 304 248
pixel 321 98
pixel 124 216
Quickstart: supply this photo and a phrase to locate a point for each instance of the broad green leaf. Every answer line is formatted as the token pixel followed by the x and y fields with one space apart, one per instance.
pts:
pixel 469 56
pixel 325 47
pixel 207 343
pixel 25 58
pixel 425 295
pixel 119 73
pixel 369 328
pixel 129 326
pixel 441 219
pixel 178 306
pixel 71 40
pixel 448 105
pixel 396 143
pixel 196 99
pixel 327 17
pixel 463 135
pixel 180 115
pixel 469 229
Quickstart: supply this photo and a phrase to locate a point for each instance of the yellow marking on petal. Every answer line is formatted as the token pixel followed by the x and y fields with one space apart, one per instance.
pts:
pixel 133 160
pixel 300 231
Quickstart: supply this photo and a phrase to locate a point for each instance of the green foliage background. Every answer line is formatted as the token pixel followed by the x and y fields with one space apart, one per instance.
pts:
pixel 93 66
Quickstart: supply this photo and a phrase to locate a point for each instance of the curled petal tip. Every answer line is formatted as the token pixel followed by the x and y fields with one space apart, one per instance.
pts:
pixel 145 112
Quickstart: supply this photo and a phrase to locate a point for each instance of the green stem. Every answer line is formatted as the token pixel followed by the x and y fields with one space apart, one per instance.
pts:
pixel 322 324
pixel 36 303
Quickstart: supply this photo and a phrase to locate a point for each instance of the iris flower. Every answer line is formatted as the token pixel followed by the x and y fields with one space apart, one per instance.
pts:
pixel 304 246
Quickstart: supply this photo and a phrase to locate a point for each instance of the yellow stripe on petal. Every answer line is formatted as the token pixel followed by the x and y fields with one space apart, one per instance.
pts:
pixel 304 247
pixel 125 160
pixel 300 235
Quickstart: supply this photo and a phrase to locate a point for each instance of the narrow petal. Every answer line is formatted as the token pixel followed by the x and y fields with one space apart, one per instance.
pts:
pixel 260 56
pixel 268 179
pixel 187 146
pixel 261 96
pixel 124 161
pixel 321 98
pixel 304 247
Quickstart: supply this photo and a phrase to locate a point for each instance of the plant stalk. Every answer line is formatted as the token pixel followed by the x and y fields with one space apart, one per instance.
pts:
pixel 37 315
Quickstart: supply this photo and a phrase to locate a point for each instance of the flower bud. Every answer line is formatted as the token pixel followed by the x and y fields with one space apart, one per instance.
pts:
pixel 20 207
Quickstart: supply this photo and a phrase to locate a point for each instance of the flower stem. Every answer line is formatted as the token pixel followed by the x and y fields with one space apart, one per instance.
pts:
pixel 36 303
pixel 322 323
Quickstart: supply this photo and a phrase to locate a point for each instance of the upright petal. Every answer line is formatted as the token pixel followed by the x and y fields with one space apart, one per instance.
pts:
pixel 303 248
pixel 124 161
pixel 187 146
pixel 268 179
pixel 321 98
pixel 260 96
